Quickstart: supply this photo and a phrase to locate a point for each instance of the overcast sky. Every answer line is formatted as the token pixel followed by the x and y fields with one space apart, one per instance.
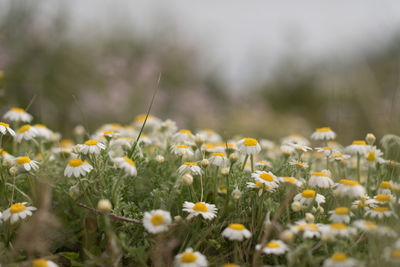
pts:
pixel 244 39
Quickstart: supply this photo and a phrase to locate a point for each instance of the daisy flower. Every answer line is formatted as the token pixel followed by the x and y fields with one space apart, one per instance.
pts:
pixel 337 229
pixel 266 178
pixel 286 149
pixel 191 167
pixel 276 247
pixel 122 141
pixel 152 122
pixel 324 133
pixel 307 197
pixel 340 215
pixel 300 148
pixel 210 136
pixel 168 127
pixel 182 150
pixel 380 213
pixel 77 167
pixel 392 254
pixel 383 199
pixel 320 179
pixel 349 188
pixel 236 231
pixel 364 203
pixel 295 139
pixel 267 144
pixel 209 148
pixel 42 131
pixel 157 221
pixel 27 164
pixel 190 258
pixel 92 147
pixel 17 211
pixel 309 230
pixel 26 132
pixel 298 164
pixel 208 211
pixel 218 159
pixel 291 180
pixel 364 225
pixel 183 136
pixel 385 187
pixel 144 139
pixel 260 186
pixel 263 164
pixel 18 114
pixel 43 263
pixel 230 265
pixel 373 155
pixel 338 156
pixel 126 164
pixel 387 231
pixel 340 259
pixel 357 147
pixel 249 146
pixel 327 150
pixel 4 128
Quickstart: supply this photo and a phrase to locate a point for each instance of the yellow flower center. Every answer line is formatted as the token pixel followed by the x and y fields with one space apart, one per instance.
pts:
pixel 385 185
pixel 218 154
pixel 342 211
pixel 259 185
pixel 40 263
pixel 223 190
pixel 237 226
pixel 24 128
pixel 75 162
pixel 395 254
pixel 188 257
pixel 308 194
pixel 184 131
pixel 19 110
pixel 267 177
pixel 338 226
pixel 289 180
pixel 319 174
pixel 65 143
pixel 23 160
pixel 40 126
pixel 157 219
pixel 141 117
pixel 200 207
pixel 189 163
pixel 17 207
pixel 381 209
pixel 128 160
pixel 273 245
pixel 108 132
pixel 359 143
pixel 91 142
pixel 250 142
pixel 383 198
pixel 339 155
pixel 327 148
pixel 230 265
pixel 310 227
pixel 181 146
pixel 323 129
pixel 298 163
pixel 339 257
pixel 4 124
pixel 371 156
pixel 348 182
pixel 370 225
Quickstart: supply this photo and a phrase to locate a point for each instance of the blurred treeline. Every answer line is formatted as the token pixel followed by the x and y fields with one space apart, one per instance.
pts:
pixel 95 78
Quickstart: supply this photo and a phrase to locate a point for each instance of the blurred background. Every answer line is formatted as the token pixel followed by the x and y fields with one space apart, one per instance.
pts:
pixel 263 68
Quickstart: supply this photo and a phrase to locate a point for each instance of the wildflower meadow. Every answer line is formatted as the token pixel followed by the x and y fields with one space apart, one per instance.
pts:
pixel 150 194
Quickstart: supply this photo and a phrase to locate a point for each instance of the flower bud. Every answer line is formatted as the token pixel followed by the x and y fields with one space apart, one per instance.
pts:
pixel 159 159
pixel 13 170
pixel 236 194
pixel 79 130
pixel 104 205
pixel 296 206
pixel 320 209
pixel 309 217
pixel 177 218
pixel 205 163
pixel 370 138
pixel 287 236
pixel 187 179
pixel 74 191
pixel 224 171
pixel 233 158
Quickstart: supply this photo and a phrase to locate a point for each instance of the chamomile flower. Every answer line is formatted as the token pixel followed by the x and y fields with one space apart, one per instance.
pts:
pixel 340 259
pixel 373 155
pixel 291 180
pixel 18 114
pixel 92 147
pixel 367 226
pixel 27 164
pixel 306 197
pixel 349 188
pixel 364 203
pixel 236 231
pixel 339 156
pixel 191 167
pixel 287 149
pixel 183 136
pixel 207 211
pixel 262 164
pixel 5 128
pixel 340 215
pixel 182 150
pixel 324 133
pixel 295 139
pixel 17 211
pixel 380 213
pixel 357 147
pixel 338 229
pixel 320 179
pixel 64 146
pixel 190 258
pixel 76 167
pixel 298 164
pixel 43 263
pixel 300 148
pixel 210 136
pixel 392 254
pixel 42 131
pixel 267 144
pixel 309 230
pixel 126 164
pixel 26 132
pixel 276 247
pixel 385 187
pixel 266 178
pixel 249 146
pixel 327 150
pixel 260 186
pixel 218 159
pixel 382 199
pixel 145 140
pixel 157 221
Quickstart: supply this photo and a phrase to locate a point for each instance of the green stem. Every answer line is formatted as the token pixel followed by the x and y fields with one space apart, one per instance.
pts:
pixel 252 162
pixel 244 162
pixel 358 167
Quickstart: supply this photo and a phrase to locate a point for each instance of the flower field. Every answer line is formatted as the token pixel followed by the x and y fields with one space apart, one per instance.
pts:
pixel 150 194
